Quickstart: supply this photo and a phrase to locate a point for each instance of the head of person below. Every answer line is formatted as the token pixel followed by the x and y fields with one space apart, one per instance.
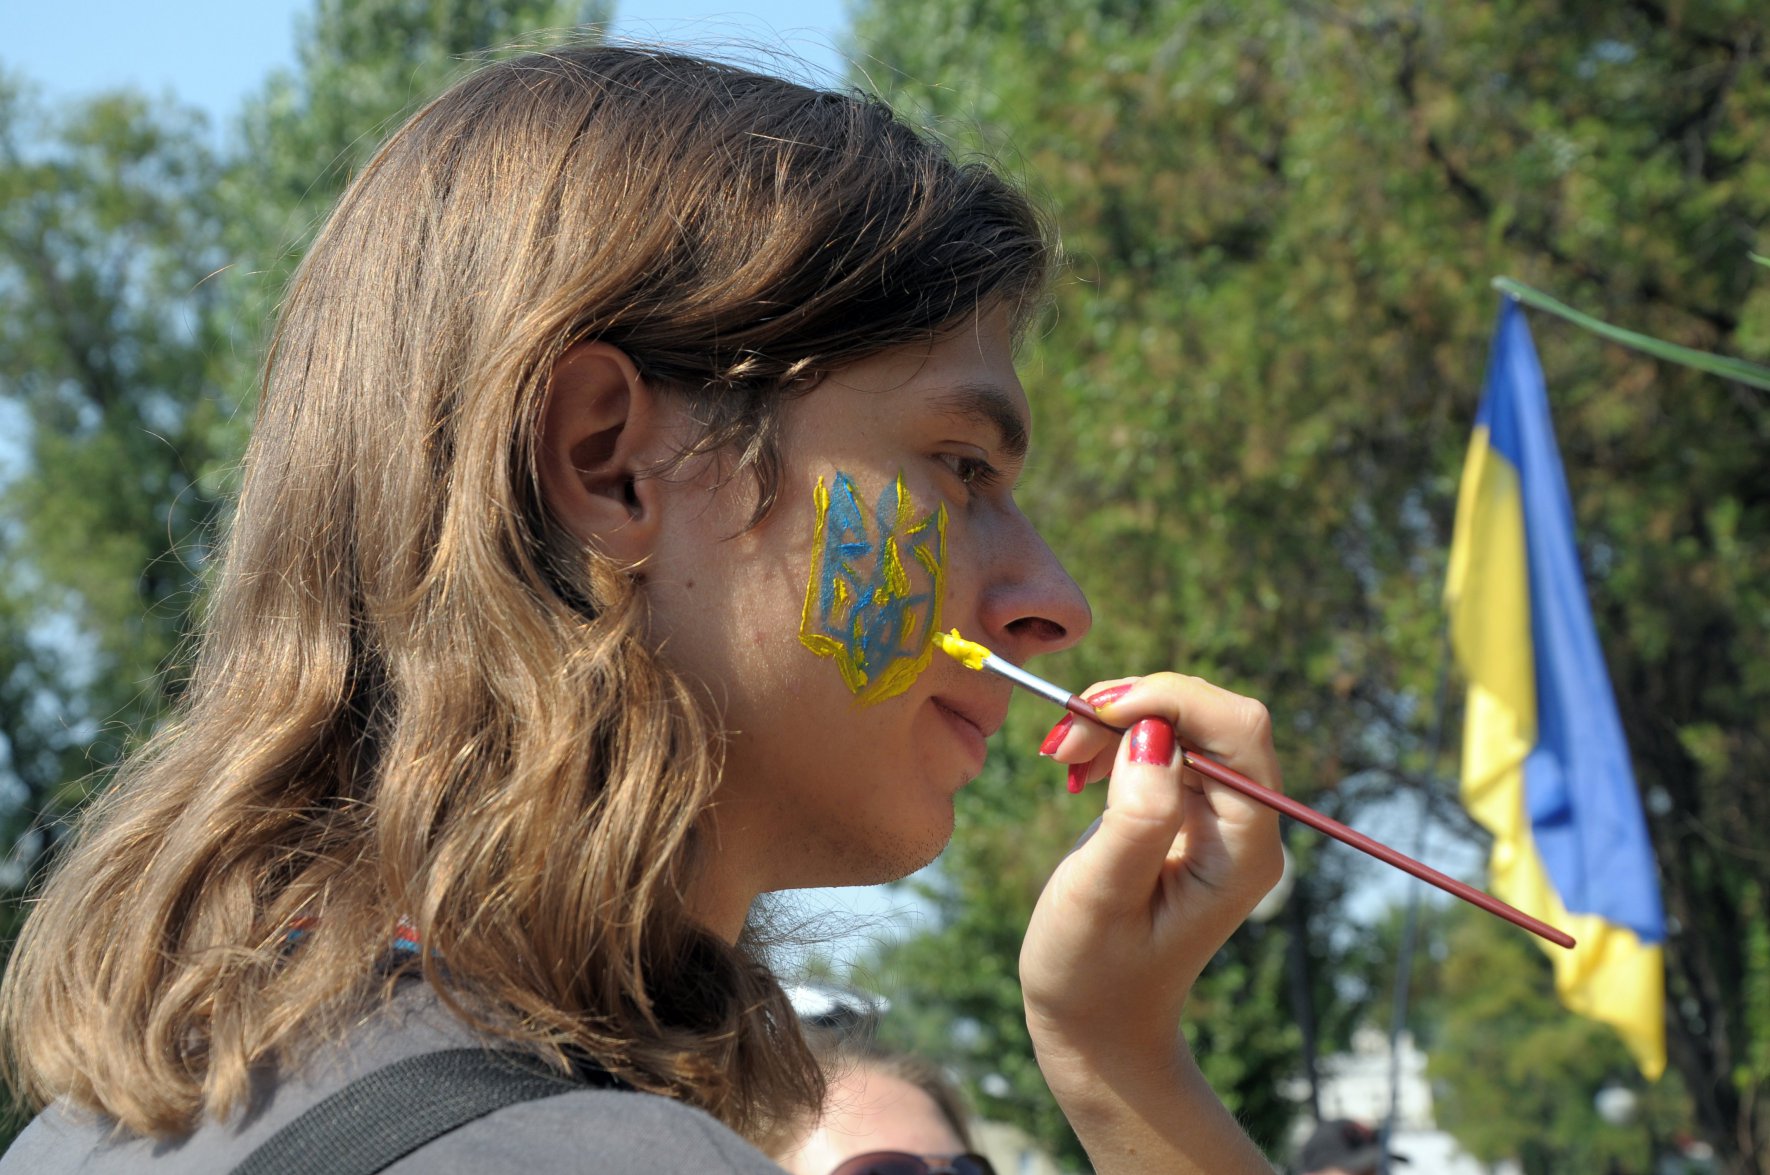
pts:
pixel 626 432
pixel 1341 1146
pixel 884 1113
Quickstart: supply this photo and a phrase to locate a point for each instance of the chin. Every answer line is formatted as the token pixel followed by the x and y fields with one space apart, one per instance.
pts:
pixel 920 851
pixel 892 857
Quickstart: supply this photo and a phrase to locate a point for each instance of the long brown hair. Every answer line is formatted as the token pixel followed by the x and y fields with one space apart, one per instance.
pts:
pixel 415 694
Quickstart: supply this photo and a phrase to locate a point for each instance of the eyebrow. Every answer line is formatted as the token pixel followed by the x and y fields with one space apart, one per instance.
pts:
pixel 988 404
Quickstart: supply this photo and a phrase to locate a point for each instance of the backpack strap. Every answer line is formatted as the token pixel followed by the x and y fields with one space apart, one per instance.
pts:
pixel 385 1115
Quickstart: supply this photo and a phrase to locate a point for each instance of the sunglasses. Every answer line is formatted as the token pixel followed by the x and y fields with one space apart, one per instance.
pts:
pixel 899 1163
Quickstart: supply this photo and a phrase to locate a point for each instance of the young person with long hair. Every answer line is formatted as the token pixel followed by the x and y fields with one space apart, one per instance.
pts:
pixel 556 623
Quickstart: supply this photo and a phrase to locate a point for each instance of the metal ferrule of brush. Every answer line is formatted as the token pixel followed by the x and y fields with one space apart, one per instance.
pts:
pixel 1019 676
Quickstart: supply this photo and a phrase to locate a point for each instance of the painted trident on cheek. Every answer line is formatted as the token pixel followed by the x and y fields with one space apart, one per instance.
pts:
pixel 873 602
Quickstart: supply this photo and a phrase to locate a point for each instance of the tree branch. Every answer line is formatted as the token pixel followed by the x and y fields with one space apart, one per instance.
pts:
pixel 1648 289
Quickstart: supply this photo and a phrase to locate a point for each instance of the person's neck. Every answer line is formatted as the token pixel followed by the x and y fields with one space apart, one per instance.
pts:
pixel 730 873
pixel 721 902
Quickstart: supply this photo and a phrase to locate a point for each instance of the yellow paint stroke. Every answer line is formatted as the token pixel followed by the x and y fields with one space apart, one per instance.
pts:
pixel 970 654
pixel 893 585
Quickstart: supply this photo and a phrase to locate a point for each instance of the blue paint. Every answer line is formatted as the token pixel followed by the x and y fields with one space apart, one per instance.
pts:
pixel 876 583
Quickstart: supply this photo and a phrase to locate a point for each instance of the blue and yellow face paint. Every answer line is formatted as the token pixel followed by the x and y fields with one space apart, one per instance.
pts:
pixel 873 599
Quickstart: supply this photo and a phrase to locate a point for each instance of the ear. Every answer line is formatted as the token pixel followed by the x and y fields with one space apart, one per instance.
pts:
pixel 602 426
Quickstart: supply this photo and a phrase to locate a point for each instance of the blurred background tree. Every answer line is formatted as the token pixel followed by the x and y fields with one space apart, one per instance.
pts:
pixel 1512 1074
pixel 1519 1077
pixel 1252 394
pixel 110 343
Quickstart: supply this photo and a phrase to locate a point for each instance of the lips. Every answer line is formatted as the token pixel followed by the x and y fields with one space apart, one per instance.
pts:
pixel 972 721
pixel 986 717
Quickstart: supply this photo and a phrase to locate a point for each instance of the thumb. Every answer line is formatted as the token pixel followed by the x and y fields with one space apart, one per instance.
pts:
pixel 1117 867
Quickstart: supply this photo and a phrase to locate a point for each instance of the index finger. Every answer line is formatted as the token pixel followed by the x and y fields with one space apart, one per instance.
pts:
pixel 1079 742
pixel 1235 730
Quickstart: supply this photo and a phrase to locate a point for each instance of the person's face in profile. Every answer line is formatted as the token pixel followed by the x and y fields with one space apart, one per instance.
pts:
pixel 829 779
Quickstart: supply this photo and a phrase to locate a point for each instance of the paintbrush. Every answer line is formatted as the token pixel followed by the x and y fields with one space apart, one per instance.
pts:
pixel 975 656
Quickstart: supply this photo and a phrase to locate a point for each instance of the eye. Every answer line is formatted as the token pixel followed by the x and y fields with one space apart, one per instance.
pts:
pixel 973 472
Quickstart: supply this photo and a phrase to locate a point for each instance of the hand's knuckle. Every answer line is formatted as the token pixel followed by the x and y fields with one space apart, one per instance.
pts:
pixel 1256 719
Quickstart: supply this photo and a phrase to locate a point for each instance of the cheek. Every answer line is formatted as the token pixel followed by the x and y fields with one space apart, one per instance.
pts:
pixel 874 589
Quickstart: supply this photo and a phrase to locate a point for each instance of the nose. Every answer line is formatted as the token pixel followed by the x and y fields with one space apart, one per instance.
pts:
pixel 1030 605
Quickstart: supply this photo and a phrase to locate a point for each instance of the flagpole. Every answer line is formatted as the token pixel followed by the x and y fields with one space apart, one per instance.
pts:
pixel 1405 958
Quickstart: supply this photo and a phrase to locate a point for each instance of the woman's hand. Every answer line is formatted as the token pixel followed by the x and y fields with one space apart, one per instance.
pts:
pixel 1130 918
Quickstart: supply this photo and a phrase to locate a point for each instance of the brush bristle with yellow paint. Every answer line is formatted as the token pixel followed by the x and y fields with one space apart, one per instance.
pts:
pixel 972 655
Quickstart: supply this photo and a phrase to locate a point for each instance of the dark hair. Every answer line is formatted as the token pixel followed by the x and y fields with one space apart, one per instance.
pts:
pixel 774 232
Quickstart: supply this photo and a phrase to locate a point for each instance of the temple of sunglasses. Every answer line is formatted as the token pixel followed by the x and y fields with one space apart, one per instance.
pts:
pixel 900 1163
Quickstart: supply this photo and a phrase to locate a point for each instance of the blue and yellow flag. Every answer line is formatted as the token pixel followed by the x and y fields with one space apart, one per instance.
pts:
pixel 1545 767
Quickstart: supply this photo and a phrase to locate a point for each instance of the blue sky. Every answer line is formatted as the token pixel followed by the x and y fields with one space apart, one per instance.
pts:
pixel 212 53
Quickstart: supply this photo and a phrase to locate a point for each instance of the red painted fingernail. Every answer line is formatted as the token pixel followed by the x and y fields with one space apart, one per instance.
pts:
pixel 1056 735
pixel 1110 694
pixel 1152 743
pixel 1078 778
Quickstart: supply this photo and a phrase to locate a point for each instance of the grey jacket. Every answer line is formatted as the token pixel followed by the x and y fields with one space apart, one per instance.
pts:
pixel 595 1131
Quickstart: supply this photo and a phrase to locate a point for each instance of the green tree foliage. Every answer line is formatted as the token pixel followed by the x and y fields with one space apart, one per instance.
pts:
pixel 109 347
pixel 139 266
pixel 1256 386
pixel 1517 1078
pixel 361 67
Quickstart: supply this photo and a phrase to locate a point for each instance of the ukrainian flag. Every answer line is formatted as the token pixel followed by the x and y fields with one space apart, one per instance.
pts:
pixel 1545 767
